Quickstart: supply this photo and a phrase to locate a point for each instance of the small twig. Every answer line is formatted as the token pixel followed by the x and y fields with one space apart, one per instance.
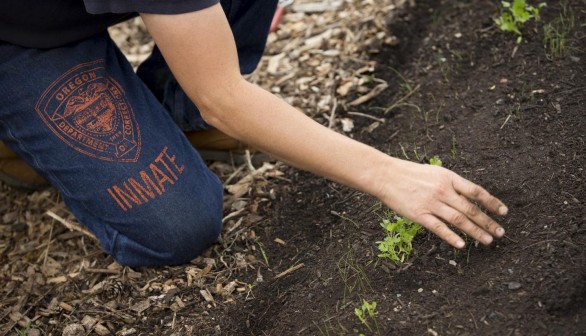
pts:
pixel 382 120
pixel 511 239
pixel 515 51
pixel 332 117
pixel 290 270
pixel 473 320
pixel 373 93
pixel 249 160
pixel 393 135
pixel 402 99
pixel 70 226
pixel 233 214
pixel 506 120
pixel 48 244
pixel 233 175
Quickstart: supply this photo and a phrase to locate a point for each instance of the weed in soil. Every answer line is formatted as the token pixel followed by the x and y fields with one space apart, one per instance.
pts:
pixel 516 14
pixel 557 38
pixel 397 244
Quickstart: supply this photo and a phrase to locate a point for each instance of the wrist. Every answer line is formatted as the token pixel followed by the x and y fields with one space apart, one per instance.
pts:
pixel 381 176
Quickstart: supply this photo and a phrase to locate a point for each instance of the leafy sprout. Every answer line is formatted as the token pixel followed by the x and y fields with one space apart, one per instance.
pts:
pixel 516 14
pixel 397 244
pixel 365 312
pixel 435 161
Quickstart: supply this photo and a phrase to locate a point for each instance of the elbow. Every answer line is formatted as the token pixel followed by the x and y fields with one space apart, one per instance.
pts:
pixel 217 103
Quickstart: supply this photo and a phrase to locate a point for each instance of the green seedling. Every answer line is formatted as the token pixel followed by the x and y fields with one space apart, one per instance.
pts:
pixel 353 276
pixel 556 34
pixel 399 235
pixel 249 293
pixel 454 148
pixel 416 153
pixel 404 84
pixel 443 66
pixel 436 161
pixel 366 312
pixel 439 111
pixel 348 219
pixel 517 111
pixel 330 325
pixel 264 254
pixel 516 14
pixel 404 152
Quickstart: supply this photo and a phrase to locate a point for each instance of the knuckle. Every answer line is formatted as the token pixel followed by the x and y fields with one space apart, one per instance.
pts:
pixel 475 191
pixel 437 227
pixel 495 203
pixel 472 210
pixel 439 191
pixel 490 225
pixel 458 219
pixel 478 233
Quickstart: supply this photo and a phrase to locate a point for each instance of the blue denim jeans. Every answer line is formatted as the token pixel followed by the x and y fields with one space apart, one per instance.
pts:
pixel 112 141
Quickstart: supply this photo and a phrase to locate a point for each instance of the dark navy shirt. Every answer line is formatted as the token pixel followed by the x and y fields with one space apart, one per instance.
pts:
pixel 54 23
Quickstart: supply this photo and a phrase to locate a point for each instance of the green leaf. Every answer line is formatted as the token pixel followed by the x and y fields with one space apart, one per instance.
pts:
pixel 506 23
pixel 435 161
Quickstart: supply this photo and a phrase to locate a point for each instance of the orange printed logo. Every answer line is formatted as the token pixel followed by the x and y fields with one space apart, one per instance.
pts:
pixel 88 110
pixel 149 183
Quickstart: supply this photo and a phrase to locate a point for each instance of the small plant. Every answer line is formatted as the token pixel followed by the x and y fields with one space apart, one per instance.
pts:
pixel 330 325
pixel 436 161
pixel 443 66
pixel 353 276
pixel 365 312
pixel 264 254
pixel 404 152
pixel 517 13
pixel 397 243
pixel 556 34
pixel 454 147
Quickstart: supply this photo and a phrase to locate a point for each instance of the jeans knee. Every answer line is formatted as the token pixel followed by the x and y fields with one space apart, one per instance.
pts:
pixel 174 235
pixel 194 231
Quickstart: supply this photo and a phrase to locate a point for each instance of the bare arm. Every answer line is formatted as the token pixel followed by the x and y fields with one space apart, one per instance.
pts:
pixel 200 50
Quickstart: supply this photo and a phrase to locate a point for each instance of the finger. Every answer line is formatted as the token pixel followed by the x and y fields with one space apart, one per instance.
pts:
pixel 461 221
pixel 479 194
pixel 479 218
pixel 438 227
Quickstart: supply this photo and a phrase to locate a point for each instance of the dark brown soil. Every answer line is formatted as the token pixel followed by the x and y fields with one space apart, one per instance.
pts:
pixel 516 125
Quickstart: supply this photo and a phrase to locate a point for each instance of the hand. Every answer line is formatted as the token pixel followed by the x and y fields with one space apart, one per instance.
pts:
pixel 433 196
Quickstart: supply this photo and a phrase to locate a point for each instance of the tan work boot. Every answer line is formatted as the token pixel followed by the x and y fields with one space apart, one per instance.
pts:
pixel 17 173
pixel 214 145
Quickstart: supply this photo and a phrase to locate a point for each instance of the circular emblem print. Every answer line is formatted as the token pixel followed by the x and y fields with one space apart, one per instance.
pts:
pixel 88 110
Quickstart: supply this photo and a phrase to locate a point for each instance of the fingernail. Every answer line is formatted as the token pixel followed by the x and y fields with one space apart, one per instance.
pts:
pixel 503 210
pixel 488 240
pixel 500 232
pixel 460 244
